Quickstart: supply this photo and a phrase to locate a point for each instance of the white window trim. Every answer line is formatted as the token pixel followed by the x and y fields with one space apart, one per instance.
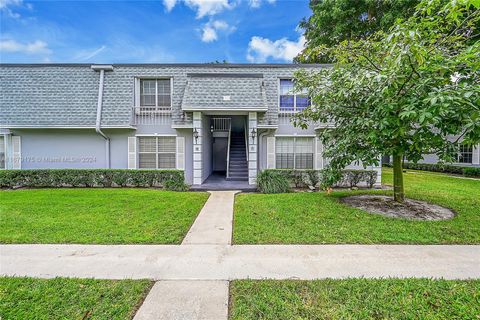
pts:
pixel 156 153
pixel 459 153
pixel 4 136
pixel 137 87
pixel 295 148
pixel 279 95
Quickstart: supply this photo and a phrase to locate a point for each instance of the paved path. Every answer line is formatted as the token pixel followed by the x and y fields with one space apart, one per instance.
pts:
pixel 186 300
pixel 222 262
pixel 214 223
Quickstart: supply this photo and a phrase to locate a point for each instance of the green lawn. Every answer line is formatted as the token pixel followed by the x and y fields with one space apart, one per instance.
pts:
pixel 317 218
pixel 355 299
pixel 61 298
pixel 102 216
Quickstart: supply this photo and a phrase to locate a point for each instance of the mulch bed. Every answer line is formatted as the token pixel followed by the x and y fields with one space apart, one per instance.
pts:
pixel 410 209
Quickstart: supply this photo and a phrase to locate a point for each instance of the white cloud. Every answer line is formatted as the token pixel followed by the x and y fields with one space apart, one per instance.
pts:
pixel 36 47
pixel 6 3
pixel 88 54
pixel 258 3
pixel 209 34
pixel 203 7
pixel 260 49
pixel 169 4
pixel 211 29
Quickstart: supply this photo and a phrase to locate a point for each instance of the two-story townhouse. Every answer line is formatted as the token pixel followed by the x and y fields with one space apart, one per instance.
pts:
pixel 229 119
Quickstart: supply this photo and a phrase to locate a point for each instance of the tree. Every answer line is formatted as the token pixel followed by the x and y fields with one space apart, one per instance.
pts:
pixel 403 92
pixel 333 21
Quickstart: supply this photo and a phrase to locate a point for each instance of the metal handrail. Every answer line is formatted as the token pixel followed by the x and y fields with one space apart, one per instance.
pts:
pixel 246 137
pixel 228 151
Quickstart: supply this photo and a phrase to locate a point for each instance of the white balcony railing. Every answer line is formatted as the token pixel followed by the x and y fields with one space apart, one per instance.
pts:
pixel 145 116
pixel 221 124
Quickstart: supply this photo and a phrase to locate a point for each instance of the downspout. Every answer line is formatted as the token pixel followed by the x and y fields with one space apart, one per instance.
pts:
pixel 260 148
pixel 102 69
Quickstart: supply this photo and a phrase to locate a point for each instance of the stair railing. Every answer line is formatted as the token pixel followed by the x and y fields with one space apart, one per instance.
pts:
pixel 246 137
pixel 228 150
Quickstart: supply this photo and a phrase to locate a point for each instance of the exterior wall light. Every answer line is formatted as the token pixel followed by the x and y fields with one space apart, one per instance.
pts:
pixel 195 135
pixel 253 134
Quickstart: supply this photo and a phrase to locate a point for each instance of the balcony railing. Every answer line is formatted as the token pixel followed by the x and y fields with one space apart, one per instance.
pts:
pixel 149 116
pixel 221 124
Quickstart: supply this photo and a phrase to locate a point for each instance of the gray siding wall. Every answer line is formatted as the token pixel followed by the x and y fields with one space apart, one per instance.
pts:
pixel 59 149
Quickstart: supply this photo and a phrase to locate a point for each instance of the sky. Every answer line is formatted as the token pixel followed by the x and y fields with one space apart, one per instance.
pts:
pixel 153 31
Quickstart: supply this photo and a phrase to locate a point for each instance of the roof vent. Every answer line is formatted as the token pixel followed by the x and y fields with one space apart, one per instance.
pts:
pixel 226 98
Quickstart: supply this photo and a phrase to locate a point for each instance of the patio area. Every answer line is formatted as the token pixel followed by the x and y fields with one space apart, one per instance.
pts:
pixel 217 181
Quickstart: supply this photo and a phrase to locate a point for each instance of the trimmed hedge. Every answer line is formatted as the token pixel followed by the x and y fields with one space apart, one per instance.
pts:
pixel 439 167
pixel 471 172
pixel 310 178
pixel 106 178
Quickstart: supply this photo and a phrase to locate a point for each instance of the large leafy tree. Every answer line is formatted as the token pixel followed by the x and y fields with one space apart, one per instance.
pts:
pixel 403 92
pixel 333 21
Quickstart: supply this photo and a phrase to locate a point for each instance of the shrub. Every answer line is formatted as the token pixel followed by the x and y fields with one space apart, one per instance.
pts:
pixel 314 177
pixel 175 185
pixel 472 172
pixel 58 178
pixel 371 178
pixel 272 181
pixel 324 178
pixel 353 177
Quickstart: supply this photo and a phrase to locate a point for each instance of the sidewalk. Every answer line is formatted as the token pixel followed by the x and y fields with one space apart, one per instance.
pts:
pixel 223 262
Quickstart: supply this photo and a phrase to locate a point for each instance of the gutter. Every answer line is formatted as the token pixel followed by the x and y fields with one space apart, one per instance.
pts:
pixel 102 69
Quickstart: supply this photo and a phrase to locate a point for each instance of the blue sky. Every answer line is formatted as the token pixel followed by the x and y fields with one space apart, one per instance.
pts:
pixel 155 31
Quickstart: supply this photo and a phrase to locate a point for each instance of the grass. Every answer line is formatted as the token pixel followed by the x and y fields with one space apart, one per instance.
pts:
pixel 97 216
pixel 355 299
pixel 61 298
pixel 316 218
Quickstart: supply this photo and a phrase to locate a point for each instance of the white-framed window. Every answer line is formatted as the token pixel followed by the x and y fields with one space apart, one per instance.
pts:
pixel 157 152
pixel 289 101
pixel 465 153
pixel 3 150
pixel 155 94
pixel 294 152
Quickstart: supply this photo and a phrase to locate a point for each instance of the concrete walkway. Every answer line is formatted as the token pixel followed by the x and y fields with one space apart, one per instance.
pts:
pixel 214 223
pixel 222 262
pixel 186 300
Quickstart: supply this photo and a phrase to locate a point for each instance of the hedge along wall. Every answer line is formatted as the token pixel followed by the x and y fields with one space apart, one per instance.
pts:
pixel 349 178
pixel 445 168
pixel 58 178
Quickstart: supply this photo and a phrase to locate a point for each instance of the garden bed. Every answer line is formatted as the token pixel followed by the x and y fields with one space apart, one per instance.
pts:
pixel 409 209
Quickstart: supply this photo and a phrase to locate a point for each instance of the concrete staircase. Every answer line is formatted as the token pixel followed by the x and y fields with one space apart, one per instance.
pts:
pixel 238 158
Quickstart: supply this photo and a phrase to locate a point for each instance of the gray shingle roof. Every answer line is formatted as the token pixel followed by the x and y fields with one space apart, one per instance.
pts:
pixel 50 96
pixel 65 95
pixel 225 91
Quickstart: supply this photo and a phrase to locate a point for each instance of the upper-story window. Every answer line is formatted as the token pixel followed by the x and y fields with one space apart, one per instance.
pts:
pixel 291 101
pixel 155 94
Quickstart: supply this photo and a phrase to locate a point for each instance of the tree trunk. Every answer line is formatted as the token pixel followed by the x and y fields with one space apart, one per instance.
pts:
pixel 398 193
